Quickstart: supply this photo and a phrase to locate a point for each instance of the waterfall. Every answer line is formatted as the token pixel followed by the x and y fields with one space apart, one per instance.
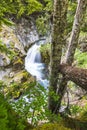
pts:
pixel 34 65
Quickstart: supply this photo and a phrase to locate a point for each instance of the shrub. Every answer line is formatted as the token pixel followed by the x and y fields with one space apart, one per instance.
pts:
pixel 51 126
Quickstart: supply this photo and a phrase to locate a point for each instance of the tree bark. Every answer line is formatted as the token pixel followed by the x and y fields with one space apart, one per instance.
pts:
pixel 59 21
pixel 73 42
pixel 77 75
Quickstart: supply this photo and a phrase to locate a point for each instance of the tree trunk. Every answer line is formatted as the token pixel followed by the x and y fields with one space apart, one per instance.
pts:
pixel 73 42
pixel 59 21
pixel 77 75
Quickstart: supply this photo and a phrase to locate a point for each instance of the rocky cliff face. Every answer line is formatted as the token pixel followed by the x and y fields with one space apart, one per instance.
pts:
pixel 26 32
pixel 10 50
pixel 13 41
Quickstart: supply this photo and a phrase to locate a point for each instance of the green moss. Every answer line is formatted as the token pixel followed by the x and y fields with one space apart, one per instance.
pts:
pixel 51 126
pixel 18 61
pixel 25 75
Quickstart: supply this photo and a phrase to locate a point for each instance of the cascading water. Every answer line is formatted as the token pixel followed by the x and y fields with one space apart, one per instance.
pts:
pixel 34 65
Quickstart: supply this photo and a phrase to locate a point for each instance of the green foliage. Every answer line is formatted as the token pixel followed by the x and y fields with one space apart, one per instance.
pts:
pixel 81 58
pixel 7 22
pixel 42 24
pixel 32 6
pixel 49 5
pixel 51 126
pixel 54 95
pixel 1 84
pixel 33 105
pixel 75 110
pixel 3 47
pixel 5 8
pixel 84 24
pixel 17 8
pixel 43 21
pixel 70 15
pixel 9 119
pixel 10 53
pixel 16 89
pixel 53 117
pixel 3 117
pixel 45 52
pixel 83 113
pixel 26 7
pixel 20 7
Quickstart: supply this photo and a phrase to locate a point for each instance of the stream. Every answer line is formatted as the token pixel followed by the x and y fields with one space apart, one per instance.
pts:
pixel 34 65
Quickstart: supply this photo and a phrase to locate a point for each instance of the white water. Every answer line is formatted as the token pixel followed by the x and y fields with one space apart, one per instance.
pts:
pixel 34 65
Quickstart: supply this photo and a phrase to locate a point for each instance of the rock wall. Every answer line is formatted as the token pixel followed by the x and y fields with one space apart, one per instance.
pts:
pixel 14 39
pixel 26 32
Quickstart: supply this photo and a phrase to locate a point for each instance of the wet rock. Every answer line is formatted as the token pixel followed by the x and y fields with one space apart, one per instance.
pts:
pixel 1 60
pixel 4 73
pixel 10 44
pixel 7 35
pixel 4 60
pixel 26 32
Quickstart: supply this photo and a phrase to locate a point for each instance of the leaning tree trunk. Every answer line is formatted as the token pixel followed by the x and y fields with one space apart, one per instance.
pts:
pixel 59 16
pixel 73 42
pixel 77 75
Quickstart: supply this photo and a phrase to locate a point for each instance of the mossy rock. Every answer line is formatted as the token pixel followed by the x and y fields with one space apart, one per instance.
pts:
pixel 18 63
pixel 18 83
pixel 51 126
pixel 22 77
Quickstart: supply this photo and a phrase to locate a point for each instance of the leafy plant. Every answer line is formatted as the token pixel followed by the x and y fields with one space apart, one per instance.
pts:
pixel 75 109
pixel 49 5
pixel 10 119
pixel 4 49
pixel 70 14
pixel 32 106
pixel 45 52
pixel 81 58
pixel 42 25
